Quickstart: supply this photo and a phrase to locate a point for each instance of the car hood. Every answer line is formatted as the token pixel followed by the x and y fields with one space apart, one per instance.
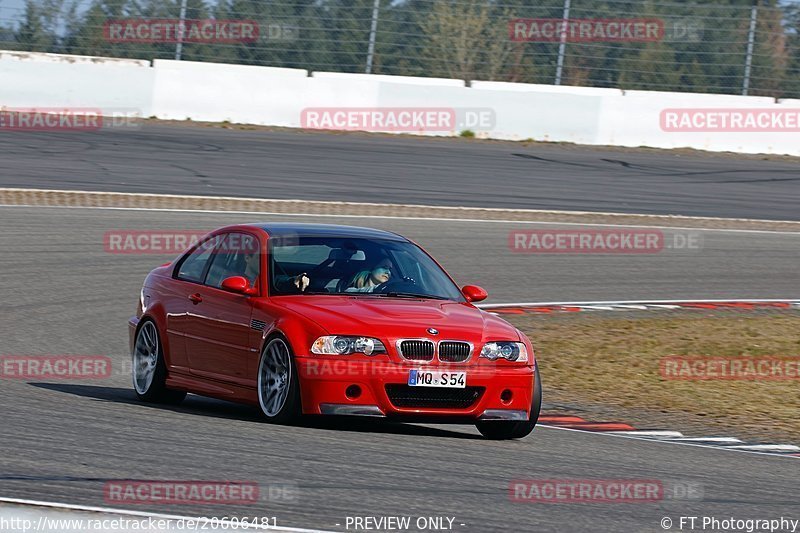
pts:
pixel 393 318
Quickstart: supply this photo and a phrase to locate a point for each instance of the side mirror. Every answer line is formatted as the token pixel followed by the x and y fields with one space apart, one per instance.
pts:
pixel 473 293
pixel 239 285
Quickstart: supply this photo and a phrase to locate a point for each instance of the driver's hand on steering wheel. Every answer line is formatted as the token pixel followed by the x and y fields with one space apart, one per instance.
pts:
pixel 302 281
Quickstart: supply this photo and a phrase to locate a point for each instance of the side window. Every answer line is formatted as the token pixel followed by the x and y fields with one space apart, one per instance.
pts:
pixel 193 267
pixel 237 255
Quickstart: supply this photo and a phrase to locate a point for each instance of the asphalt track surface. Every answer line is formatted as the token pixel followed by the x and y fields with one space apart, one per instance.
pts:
pixel 63 294
pixel 179 159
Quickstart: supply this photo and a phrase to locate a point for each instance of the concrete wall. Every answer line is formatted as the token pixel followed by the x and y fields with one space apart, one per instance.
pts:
pixel 235 93
pixel 182 90
pixel 49 80
pixel 634 120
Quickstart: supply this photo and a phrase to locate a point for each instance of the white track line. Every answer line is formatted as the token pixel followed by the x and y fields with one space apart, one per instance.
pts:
pixel 717 440
pixel 431 219
pixel 768 447
pixel 746 449
pixel 110 510
pixel 641 302
pixel 650 434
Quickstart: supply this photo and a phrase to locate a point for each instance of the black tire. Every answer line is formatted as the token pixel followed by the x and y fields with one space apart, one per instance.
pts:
pixel 288 411
pixel 156 391
pixel 504 430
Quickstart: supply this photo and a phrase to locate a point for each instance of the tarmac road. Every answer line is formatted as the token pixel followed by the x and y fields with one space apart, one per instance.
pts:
pixel 188 159
pixel 63 294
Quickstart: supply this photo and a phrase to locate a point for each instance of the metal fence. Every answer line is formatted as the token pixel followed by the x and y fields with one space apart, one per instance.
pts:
pixel 726 46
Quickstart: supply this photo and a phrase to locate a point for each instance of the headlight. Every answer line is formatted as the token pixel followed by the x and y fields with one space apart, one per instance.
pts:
pixel 346 345
pixel 512 351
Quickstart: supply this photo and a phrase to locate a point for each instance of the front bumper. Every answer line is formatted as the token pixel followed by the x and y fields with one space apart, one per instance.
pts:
pixel 327 387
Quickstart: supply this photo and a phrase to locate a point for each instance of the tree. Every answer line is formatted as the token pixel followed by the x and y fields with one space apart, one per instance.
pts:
pixel 792 32
pixel 652 68
pixel 466 39
pixel 771 54
pixel 36 32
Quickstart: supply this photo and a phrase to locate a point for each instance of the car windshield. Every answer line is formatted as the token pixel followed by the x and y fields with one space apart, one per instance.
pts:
pixel 356 266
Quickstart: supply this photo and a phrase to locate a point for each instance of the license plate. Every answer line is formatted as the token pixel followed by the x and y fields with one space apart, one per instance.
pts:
pixel 437 378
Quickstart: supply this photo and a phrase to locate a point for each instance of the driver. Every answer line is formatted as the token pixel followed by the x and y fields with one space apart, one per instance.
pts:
pixel 369 280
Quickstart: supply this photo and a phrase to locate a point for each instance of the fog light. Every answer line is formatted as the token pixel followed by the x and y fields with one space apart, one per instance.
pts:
pixel 506 396
pixel 353 392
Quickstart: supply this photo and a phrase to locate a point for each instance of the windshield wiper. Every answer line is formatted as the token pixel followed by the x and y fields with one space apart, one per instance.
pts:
pixel 396 294
pixel 390 294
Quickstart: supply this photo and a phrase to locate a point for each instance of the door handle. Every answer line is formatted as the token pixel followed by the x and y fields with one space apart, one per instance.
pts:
pixel 196 298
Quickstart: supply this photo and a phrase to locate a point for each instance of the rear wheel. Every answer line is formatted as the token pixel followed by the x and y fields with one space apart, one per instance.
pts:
pixel 504 430
pixel 278 385
pixel 149 368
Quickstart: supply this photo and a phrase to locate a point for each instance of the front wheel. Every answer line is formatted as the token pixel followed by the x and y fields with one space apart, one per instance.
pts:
pixel 149 368
pixel 504 430
pixel 278 385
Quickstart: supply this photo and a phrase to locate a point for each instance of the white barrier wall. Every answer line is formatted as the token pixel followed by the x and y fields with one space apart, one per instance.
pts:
pixel 545 112
pixel 50 80
pixel 183 90
pixel 212 92
pixel 635 120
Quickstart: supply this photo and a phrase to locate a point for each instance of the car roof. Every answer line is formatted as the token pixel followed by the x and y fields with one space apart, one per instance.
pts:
pixel 280 229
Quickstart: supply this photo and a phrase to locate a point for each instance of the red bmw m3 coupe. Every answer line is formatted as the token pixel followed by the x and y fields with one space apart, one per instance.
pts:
pixel 314 319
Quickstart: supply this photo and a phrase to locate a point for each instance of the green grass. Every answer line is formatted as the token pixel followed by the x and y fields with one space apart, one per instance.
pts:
pixel 614 362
